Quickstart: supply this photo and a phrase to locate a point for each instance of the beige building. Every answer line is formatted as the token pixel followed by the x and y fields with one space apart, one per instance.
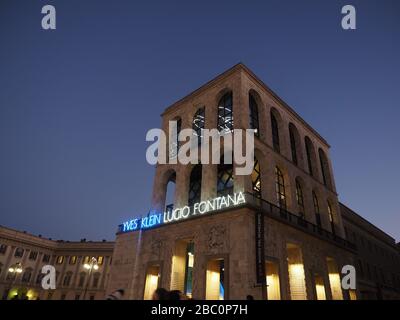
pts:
pixel 288 230
pixel 279 233
pixel 29 253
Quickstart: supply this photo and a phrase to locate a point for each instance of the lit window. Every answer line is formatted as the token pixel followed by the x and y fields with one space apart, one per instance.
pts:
pixel 72 260
pixel 225 114
pixel 60 259
pixel 256 178
pixel 254 123
pixel 199 124
pixel 100 260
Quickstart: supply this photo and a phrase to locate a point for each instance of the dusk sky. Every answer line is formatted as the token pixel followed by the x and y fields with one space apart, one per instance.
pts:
pixel 76 102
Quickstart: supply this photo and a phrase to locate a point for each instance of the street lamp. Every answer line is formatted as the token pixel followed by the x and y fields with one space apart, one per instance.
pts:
pixel 15 269
pixel 90 266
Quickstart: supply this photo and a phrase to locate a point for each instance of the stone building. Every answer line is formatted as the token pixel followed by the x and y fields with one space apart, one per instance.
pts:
pixel 29 253
pixel 288 230
pixel 378 259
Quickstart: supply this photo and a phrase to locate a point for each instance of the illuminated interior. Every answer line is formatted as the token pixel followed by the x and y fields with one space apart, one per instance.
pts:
pixel 215 287
pixel 152 279
pixel 319 288
pixel 296 273
pixel 182 267
pixel 273 287
pixel 334 279
pixel 352 295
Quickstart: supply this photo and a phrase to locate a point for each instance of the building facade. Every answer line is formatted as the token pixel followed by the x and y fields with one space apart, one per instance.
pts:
pixel 278 233
pixel 288 230
pixel 29 253
pixel 378 259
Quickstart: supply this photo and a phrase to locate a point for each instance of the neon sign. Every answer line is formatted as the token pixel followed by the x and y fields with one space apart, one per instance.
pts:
pixel 200 208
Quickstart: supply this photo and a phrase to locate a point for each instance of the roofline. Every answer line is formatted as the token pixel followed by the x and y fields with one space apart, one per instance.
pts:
pixel 241 66
pixel 370 223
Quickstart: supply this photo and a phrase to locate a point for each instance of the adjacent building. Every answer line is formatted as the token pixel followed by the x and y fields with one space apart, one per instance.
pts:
pixel 23 255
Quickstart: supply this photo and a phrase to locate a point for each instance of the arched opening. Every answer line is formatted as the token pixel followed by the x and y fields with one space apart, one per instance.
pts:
pixel 294 143
pixel 331 219
pixel 254 117
pixel 198 124
pixel 310 155
pixel 316 209
pixel 26 277
pixel 275 131
pixel 225 113
pixel 300 198
pixel 174 136
pixel 256 178
pixel 67 279
pixel 280 189
pixel 170 192
pixel 326 177
pixel 195 185
pixel 224 178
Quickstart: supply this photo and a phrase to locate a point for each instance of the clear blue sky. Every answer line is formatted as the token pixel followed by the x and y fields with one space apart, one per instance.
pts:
pixel 76 103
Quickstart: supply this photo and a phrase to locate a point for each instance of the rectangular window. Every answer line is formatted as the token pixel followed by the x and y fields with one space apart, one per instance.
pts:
pixel 72 260
pixel 86 259
pixel 19 252
pixel 3 248
pixel 334 279
pixel 46 258
pixel 215 280
pixel 297 282
pixel 152 281
pixel 33 255
pixel 272 281
pixel 60 259
pixel 100 260
pixel 352 295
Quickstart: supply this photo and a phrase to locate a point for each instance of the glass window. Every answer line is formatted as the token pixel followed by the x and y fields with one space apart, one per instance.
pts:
pixel 256 178
pixel 3 248
pixel 60 259
pixel 300 198
pixel 195 185
pixel 225 179
pixel 275 133
pixel 19 252
pixel 26 277
pixel 100 260
pixel 330 214
pixel 316 210
pixel 280 188
pixel 33 255
pixel 199 124
pixel 225 114
pixel 293 146
pixel 46 258
pixel 72 260
pixel 67 279
pixel 309 150
pixel 254 123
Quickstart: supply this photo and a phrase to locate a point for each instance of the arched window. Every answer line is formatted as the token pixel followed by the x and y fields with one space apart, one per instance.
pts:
pixel 225 178
pixel 293 143
pixel 67 279
pixel 316 209
pixel 82 278
pixel 225 114
pixel 195 185
pixel 96 278
pixel 174 136
pixel 309 151
pixel 324 168
pixel 256 178
pixel 26 277
pixel 330 214
pixel 300 198
pixel 199 124
pixel 170 192
pixel 280 188
pixel 275 133
pixel 254 123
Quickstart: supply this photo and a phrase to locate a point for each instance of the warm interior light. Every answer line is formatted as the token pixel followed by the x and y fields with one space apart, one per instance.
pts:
pixel 86 266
